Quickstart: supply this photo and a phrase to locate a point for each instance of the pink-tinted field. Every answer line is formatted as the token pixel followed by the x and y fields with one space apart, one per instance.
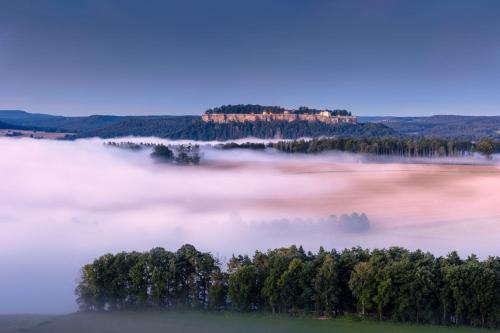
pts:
pixel 64 203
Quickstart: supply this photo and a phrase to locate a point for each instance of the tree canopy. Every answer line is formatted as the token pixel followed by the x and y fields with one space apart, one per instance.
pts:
pixel 394 283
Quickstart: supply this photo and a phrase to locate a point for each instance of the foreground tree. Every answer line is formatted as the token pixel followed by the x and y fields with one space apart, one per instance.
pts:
pixel 394 283
pixel 359 283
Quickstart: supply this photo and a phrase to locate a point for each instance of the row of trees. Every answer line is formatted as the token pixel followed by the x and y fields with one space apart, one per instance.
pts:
pixel 395 283
pixel 307 110
pixel 407 147
pixel 256 108
pixel 245 109
pixel 243 145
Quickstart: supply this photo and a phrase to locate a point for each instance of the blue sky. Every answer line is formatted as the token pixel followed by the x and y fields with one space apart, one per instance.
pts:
pixel 379 57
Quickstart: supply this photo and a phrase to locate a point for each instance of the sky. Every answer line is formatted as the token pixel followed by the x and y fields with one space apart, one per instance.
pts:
pixel 125 57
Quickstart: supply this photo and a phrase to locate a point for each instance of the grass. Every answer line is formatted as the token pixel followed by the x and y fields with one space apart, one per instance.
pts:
pixel 194 322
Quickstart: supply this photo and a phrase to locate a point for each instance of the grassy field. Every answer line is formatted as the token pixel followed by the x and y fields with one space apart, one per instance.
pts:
pixel 188 322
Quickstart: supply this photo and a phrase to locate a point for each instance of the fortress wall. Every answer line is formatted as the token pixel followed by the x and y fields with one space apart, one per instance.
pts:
pixel 224 118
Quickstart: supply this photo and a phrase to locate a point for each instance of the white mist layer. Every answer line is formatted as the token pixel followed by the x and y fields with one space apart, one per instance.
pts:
pixel 64 203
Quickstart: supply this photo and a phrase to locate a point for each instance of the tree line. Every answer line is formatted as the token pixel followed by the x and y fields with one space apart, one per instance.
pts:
pixel 388 284
pixel 336 112
pixel 399 146
pixel 245 109
pixel 256 109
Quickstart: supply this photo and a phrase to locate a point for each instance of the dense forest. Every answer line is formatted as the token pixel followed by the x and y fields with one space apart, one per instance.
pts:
pixel 278 129
pixel 189 129
pixel 389 284
pixel 255 108
pixel 398 146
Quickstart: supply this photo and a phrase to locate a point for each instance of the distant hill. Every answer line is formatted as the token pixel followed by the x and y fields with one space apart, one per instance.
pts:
pixel 190 127
pixel 187 127
pixel 19 115
pixel 56 123
pixel 448 126
pixel 4 125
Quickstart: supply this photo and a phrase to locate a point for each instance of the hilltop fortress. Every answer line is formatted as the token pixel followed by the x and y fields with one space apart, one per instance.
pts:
pixel 253 113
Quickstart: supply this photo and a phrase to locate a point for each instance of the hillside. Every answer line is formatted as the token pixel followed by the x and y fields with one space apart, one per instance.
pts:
pixel 56 123
pixel 191 127
pixel 4 125
pixel 449 126
pixel 187 127
pixel 162 126
pixel 19 115
pixel 194 129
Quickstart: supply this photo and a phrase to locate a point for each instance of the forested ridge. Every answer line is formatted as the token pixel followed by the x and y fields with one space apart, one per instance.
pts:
pixel 194 129
pixel 191 127
pixel 388 284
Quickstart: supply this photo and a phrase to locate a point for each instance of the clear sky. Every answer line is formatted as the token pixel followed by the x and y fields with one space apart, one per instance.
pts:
pixel 373 57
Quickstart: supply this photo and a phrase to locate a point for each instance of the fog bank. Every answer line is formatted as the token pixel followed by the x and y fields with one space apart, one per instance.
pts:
pixel 63 203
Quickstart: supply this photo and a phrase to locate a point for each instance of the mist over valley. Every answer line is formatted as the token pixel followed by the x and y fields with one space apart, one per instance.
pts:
pixel 64 203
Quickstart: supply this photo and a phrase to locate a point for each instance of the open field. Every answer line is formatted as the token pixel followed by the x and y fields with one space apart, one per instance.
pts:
pixel 166 322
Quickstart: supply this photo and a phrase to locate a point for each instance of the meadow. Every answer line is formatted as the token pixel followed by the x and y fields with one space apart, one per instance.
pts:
pixel 194 322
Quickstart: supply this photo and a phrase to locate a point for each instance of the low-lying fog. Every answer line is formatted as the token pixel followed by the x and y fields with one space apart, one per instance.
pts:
pixel 64 203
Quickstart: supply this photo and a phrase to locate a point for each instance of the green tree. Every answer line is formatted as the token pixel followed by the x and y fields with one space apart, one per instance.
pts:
pixel 326 286
pixel 486 147
pixel 291 286
pixel 217 293
pixel 242 288
pixel 163 153
pixel 360 284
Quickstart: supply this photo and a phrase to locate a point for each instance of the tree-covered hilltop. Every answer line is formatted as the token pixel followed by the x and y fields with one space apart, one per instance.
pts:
pixel 394 284
pixel 256 109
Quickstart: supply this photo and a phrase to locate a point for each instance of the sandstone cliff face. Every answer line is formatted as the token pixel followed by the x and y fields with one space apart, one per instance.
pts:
pixel 225 118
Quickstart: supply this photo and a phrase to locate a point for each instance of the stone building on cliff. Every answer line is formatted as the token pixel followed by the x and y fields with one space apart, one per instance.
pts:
pixel 324 116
